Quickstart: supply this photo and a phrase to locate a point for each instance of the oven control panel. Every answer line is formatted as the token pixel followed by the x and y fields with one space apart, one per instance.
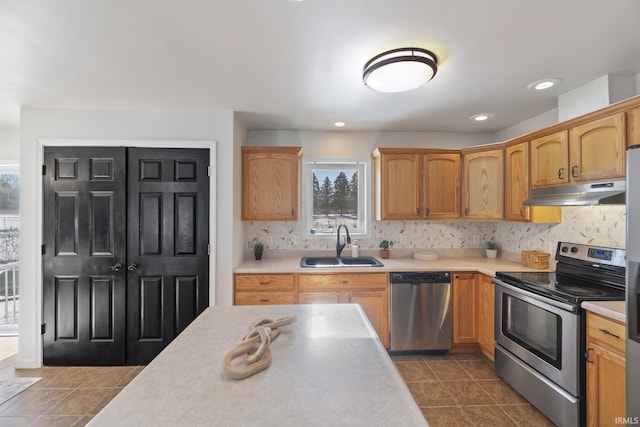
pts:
pixel 595 254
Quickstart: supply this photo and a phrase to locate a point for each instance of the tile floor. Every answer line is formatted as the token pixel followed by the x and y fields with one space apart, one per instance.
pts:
pixel 463 390
pixel 64 396
pixel 451 390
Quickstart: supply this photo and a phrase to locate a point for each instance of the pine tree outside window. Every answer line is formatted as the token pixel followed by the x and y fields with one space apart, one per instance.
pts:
pixel 335 193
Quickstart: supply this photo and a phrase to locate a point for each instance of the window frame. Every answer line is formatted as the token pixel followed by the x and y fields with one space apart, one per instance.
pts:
pixel 363 164
pixel 10 167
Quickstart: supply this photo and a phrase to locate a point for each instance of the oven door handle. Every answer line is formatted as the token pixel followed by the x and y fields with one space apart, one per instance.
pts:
pixel 521 291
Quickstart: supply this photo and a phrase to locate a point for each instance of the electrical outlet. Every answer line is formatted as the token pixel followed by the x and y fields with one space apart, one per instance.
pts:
pixel 403 240
pixel 269 241
pixel 475 240
pixel 294 239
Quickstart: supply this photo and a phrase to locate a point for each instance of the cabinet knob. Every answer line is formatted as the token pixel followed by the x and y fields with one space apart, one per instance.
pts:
pixel 560 172
pixel 573 171
pixel 586 355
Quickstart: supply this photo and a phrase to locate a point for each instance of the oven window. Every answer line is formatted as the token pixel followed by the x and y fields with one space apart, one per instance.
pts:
pixel 537 330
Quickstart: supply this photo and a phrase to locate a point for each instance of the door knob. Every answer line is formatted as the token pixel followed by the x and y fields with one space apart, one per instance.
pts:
pixel 115 267
pixel 133 267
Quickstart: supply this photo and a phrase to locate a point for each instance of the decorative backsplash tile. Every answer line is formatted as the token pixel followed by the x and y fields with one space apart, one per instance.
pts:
pixel 597 225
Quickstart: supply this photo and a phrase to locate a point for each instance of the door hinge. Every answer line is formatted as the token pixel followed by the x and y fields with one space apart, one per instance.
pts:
pixel 44 169
pixel 209 170
pixel 43 329
pixel 43 249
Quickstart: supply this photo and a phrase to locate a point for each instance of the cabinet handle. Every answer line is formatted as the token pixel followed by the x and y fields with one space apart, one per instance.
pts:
pixel 573 171
pixel 466 211
pixel 560 171
pixel 607 332
pixel 264 300
pixel 293 212
pixel 264 282
pixel 586 355
pixel 427 212
pixel 523 211
pixel 344 282
pixel 417 211
pixel 349 297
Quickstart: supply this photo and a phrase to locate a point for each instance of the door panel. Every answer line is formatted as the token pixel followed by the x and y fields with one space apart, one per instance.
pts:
pixel 84 199
pixel 125 266
pixel 168 201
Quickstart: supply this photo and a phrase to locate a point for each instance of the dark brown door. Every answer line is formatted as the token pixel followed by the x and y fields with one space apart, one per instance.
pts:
pixel 125 262
pixel 84 256
pixel 168 236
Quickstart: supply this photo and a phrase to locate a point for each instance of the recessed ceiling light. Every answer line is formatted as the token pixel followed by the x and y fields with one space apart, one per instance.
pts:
pixel 481 117
pixel 339 124
pixel 544 84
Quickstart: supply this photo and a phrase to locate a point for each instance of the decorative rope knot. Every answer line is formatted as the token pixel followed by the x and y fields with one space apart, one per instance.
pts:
pixel 254 347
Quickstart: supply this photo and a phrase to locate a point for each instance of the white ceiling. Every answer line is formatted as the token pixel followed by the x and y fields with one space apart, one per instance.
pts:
pixel 298 65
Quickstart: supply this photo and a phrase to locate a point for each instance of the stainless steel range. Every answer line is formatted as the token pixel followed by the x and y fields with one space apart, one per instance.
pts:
pixel 540 328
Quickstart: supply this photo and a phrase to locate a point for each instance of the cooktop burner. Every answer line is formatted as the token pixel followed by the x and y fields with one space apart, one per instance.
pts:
pixel 584 273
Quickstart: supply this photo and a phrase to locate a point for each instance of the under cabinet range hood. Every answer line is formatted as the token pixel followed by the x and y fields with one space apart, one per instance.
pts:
pixel 599 193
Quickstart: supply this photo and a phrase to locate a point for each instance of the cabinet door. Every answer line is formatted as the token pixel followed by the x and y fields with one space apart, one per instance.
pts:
pixel 399 180
pixel 483 184
pixel 441 186
pixel 517 189
pixel 270 183
pixel 319 297
pixel 376 306
pixel 597 149
pixel 486 336
pixel 550 160
pixel 465 308
pixel 606 378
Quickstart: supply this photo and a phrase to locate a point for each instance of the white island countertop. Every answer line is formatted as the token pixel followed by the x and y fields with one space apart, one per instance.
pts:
pixel 328 368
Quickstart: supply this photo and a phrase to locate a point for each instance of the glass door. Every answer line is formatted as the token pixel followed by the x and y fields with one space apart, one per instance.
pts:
pixel 9 243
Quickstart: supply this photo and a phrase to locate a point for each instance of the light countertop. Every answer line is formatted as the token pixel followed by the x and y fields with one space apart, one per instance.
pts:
pixel 328 368
pixel 615 310
pixel 478 263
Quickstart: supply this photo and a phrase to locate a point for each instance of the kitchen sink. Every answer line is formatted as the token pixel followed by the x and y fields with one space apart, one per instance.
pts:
pixel 331 262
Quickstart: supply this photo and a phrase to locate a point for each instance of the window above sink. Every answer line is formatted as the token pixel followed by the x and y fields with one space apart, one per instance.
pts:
pixel 335 192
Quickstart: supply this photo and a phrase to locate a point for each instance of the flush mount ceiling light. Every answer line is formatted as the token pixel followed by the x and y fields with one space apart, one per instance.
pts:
pixel 400 70
pixel 543 84
pixel 481 117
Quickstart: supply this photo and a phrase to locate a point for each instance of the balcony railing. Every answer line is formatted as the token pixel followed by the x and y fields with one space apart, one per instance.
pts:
pixel 9 294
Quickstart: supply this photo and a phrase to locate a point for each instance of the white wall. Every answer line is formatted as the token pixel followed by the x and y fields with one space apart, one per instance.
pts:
pixel 41 124
pixel 9 143
pixel 361 144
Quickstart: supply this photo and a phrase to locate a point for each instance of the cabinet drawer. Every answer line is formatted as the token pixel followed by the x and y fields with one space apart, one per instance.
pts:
pixel 607 332
pixel 264 298
pixel 261 282
pixel 344 281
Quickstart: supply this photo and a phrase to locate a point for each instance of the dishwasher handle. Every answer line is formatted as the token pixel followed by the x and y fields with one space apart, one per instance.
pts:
pixel 420 277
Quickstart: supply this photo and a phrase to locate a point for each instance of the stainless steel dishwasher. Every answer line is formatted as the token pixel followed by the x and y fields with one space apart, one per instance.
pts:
pixel 420 311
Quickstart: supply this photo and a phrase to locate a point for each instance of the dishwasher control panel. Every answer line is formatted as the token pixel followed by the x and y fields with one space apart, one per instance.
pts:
pixel 420 277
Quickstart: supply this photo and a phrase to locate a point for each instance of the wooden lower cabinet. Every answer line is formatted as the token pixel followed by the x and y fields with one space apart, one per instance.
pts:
pixel 370 290
pixel 466 315
pixel 606 370
pixel 486 335
pixel 264 289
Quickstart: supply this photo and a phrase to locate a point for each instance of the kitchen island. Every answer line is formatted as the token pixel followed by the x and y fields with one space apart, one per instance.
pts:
pixel 328 368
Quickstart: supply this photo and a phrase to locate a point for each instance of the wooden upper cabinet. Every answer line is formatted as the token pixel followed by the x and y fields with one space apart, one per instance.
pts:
pixel 441 185
pixel 591 151
pixel 414 184
pixel 270 183
pixel 517 189
pixel 483 183
pixel 397 185
pixel 550 160
pixel 597 149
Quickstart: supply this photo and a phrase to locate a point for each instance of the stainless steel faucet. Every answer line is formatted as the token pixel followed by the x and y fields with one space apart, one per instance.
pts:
pixel 340 247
